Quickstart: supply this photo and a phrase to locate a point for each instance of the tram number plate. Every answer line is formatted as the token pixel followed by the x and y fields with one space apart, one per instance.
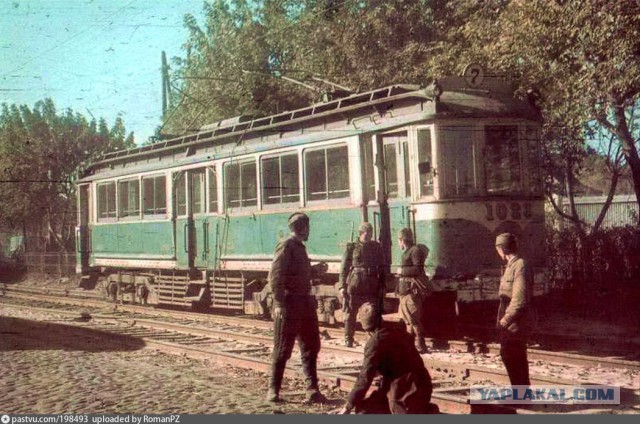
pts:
pixel 503 211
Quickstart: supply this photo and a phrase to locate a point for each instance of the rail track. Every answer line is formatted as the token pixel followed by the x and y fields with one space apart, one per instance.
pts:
pixel 86 299
pixel 246 343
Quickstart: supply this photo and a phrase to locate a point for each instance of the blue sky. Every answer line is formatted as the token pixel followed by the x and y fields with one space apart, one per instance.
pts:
pixel 99 57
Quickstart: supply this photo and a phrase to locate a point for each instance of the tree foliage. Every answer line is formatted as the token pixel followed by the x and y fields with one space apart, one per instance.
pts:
pixel 41 152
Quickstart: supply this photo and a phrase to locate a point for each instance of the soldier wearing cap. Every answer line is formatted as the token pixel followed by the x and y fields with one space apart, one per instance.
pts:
pixel 294 309
pixel 413 286
pixel 406 386
pixel 516 284
pixel 361 277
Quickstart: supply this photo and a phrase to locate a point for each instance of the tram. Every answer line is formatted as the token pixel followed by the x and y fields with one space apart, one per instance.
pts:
pixel 194 220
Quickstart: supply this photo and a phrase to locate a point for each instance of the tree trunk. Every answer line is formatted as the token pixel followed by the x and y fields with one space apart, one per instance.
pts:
pixel 629 149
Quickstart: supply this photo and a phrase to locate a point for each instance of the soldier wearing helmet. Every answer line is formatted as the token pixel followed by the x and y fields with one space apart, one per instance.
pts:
pixel 294 309
pixel 361 277
pixel 414 286
pixel 516 284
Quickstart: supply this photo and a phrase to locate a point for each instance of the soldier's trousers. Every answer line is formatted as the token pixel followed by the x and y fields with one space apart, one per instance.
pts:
pixel 297 324
pixel 411 312
pixel 355 302
pixel 513 351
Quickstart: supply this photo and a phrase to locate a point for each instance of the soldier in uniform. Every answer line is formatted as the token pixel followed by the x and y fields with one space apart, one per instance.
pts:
pixel 413 286
pixel 406 384
pixel 516 284
pixel 361 277
pixel 294 309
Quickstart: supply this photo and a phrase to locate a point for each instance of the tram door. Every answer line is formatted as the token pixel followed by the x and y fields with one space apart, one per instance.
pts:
pixel 191 223
pixel 388 188
pixel 82 230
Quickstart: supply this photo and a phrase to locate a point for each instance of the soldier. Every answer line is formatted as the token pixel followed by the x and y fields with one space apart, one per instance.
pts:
pixel 406 384
pixel 414 286
pixel 516 284
pixel 361 277
pixel 294 309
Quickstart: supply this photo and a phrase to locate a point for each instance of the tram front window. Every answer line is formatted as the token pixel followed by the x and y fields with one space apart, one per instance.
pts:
pixel 503 172
pixel 458 152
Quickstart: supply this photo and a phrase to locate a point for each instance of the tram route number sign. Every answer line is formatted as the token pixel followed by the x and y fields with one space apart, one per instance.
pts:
pixel 473 75
pixel 503 210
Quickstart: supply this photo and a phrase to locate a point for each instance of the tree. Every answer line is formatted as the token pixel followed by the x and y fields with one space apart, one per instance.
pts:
pixel 41 153
pixel 243 60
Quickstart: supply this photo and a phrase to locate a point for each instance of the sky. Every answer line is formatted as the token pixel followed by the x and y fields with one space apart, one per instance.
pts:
pixel 101 58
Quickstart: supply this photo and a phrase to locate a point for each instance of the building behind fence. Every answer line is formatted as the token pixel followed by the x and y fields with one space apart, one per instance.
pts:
pixel 622 211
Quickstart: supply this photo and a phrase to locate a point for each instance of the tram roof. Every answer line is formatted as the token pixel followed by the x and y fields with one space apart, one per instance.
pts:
pixel 449 97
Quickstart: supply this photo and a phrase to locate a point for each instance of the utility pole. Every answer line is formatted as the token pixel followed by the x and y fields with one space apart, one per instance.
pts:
pixel 166 88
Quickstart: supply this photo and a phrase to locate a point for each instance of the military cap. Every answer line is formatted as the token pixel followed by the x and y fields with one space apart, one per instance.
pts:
pixel 366 227
pixel 297 221
pixel 368 316
pixel 506 239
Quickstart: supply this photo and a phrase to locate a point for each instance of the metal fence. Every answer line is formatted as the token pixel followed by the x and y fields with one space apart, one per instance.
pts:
pixel 623 209
pixel 52 264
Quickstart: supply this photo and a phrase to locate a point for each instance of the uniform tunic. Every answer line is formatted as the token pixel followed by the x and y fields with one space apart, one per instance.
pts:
pixel 290 280
pixel 405 380
pixel 361 276
pixel 516 284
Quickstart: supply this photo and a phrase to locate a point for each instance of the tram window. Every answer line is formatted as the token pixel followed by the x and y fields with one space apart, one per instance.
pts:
pixel 392 169
pixel 458 152
pixel 106 201
pixel 370 184
pixel 502 159
pixel 154 195
pixel 197 190
pixel 180 188
pixel 405 166
pixel 533 148
pixel 240 184
pixel 424 162
pixel 129 198
pixel 327 173
pixel 213 191
pixel 280 180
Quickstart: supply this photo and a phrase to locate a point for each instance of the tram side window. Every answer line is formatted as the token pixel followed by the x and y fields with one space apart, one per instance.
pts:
pixel 327 173
pixel 533 148
pixel 129 198
pixel 392 169
pixel 197 190
pixel 280 180
pixel 106 201
pixel 213 191
pixel 458 153
pixel 240 184
pixel 370 183
pixel 425 162
pixel 154 195
pixel 180 190
pixel 502 160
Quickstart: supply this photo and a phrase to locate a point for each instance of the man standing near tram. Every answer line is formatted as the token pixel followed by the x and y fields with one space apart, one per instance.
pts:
pixel 516 285
pixel 361 278
pixel 294 310
pixel 413 286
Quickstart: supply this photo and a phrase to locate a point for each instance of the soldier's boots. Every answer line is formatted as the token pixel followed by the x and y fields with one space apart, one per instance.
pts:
pixel 421 346
pixel 273 396
pixel 348 342
pixel 314 396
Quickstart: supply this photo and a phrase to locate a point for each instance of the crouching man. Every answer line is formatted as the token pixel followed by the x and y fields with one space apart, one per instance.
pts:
pixel 390 352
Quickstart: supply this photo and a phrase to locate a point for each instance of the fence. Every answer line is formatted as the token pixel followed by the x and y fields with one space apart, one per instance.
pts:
pixel 53 264
pixel 623 210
